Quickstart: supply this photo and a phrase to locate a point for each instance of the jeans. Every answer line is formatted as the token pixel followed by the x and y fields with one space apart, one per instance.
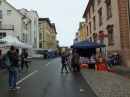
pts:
pixel 25 64
pixel 12 76
pixel 63 65
pixel 77 68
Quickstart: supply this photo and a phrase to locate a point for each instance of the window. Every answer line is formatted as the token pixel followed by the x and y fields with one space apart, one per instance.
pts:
pixel 26 26
pixel 9 12
pixel 0 2
pixel 40 45
pixel 23 37
pixel 87 30
pixel 109 9
pixel 99 1
pixel 40 36
pixel 101 37
pixel 111 38
pixel 100 16
pixel 89 14
pixel 90 39
pixel 90 27
pixel 93 7
pixel 26 38
pixel 94 23
pixel 2 35
pixel 0 14
pixel 0 24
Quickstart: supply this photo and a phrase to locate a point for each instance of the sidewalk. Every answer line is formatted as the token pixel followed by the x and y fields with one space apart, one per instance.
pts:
pixel 107 84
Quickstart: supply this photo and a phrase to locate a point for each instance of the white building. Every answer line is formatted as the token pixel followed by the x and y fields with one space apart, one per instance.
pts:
pixel 21 23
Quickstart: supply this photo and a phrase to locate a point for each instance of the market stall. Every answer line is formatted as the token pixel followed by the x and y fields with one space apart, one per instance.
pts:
pixel 87 52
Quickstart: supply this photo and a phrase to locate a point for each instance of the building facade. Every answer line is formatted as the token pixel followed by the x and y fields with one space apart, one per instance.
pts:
pixel 76 38
pixel 110 18
pixel 47 34
pixel 21 24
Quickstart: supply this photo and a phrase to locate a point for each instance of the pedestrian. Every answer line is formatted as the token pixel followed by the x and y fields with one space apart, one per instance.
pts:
pixel 13 69
pixel 24 56
pixel 75 61
pixel 63 61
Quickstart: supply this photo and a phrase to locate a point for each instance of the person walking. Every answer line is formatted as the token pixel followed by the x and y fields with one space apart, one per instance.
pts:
pixel 75 61
pixel 24 56
pixel 63 61
pixel 13 69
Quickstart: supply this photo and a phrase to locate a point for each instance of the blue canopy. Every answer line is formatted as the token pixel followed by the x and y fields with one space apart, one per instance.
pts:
pixel 87 44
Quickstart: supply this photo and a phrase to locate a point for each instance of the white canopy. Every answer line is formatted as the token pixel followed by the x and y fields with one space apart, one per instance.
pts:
pixel 13 41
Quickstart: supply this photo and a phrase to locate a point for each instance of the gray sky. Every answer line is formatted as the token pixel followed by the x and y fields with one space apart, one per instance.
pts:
pixel 66 14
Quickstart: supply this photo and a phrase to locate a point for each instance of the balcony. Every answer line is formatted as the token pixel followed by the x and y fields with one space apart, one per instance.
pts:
pixel 7 27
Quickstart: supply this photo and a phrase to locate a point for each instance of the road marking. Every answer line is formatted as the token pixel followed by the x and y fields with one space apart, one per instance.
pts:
pixel 26 77
pixel 48 63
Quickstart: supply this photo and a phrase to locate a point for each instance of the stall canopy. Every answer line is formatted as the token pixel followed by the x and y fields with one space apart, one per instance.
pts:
pixel 13 41
pixel 87 44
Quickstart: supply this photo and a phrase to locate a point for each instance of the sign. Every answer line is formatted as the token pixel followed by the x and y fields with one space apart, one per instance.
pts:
pixel 101 36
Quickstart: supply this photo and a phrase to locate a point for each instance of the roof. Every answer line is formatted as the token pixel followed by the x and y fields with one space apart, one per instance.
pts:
pixel 87 44
pixel 14 8
pixel 88 7
pixel 48 21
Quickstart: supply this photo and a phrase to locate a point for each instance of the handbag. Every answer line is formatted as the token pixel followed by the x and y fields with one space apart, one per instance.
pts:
pixel 25 59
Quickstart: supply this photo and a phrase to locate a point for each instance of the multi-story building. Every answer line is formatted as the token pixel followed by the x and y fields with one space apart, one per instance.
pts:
pixel 34 30
pixel 47 34
pixel 76 38
pixel 18 23
pixel 109 17
pixel 82 32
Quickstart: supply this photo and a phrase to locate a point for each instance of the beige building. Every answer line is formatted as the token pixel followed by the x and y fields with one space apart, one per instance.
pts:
pixel 47 34
pixel 109 17
pixel 21 24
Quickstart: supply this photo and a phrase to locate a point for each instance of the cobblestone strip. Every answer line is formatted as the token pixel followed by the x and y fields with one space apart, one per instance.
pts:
pixel 107 84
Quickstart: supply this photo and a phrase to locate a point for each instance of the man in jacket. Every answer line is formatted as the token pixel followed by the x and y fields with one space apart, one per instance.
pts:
pixel 24 56
pixel 75 61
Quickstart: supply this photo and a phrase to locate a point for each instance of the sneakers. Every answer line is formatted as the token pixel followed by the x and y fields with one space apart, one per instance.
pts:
pixel 27 69
pixel 67 72
pixel 10 88
pixel 17 88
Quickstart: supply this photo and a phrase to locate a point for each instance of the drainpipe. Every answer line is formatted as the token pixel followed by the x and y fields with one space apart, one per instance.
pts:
pixel 128 12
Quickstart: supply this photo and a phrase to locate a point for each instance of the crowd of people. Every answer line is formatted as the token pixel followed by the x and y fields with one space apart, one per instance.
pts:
pixel 17 62
pixel 73 63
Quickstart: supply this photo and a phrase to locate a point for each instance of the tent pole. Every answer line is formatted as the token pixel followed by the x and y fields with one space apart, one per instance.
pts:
pixel 101 52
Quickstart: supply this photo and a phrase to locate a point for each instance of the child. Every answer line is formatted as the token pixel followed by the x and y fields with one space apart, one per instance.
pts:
pixel 19 66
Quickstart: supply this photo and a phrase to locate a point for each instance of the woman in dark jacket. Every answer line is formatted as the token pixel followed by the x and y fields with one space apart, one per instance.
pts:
pixel 63 61
pixel 13 69
pixel 24 56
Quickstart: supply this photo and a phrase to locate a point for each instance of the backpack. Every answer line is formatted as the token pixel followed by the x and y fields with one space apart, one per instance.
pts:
pixel 7 62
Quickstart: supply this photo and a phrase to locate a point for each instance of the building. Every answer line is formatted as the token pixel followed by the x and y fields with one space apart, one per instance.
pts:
pixel 34 30
pixel 47 34
pixel 76 38
pixel 18 23
pixel 109 18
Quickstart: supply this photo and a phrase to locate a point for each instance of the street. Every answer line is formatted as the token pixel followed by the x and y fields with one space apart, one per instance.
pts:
pixel 44 79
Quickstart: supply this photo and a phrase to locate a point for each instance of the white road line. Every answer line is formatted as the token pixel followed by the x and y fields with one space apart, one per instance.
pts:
pixel 48 63
pixel 26 77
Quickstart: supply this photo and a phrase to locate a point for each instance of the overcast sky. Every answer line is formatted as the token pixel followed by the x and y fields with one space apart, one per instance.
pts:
pixel 66 14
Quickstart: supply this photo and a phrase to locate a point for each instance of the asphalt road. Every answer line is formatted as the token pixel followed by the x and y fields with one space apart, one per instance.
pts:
pixel 44 79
